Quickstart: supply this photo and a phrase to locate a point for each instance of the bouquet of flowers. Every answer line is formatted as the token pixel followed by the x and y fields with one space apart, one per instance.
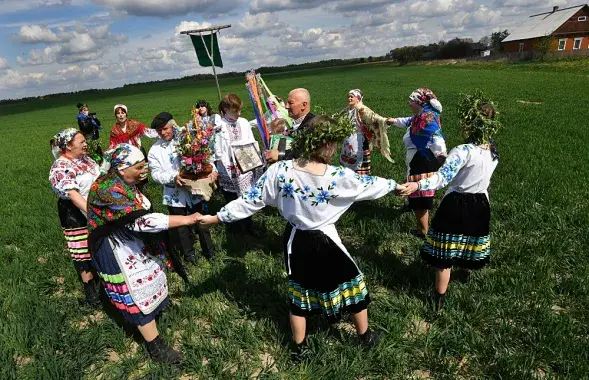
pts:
pixel 195 151
pixel 194 148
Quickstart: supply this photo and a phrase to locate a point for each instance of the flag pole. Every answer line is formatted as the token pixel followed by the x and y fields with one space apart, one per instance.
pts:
pixel 214 31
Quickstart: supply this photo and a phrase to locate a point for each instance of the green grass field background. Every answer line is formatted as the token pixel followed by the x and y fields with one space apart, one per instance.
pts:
pixel 525 316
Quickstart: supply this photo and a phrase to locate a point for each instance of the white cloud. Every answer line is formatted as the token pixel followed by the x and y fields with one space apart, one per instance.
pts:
pixel 4 64
pixel 252 25
pixel 159 8
pixel 34 34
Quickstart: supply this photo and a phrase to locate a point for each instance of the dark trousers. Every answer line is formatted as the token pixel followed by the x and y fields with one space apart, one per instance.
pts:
pixel 183 238
pixel 240 226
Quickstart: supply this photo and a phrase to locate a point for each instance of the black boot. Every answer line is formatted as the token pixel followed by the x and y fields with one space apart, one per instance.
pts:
pixel 91 295
pixel 371 338
pixel 438 301
pixel 298 352
pixel 160 352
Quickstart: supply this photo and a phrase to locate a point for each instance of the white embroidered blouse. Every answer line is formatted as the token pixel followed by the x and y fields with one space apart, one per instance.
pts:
pixel 468 169
pixel 308 201
pixel 73 174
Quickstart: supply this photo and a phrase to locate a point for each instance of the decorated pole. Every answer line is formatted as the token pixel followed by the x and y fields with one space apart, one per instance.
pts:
pixel 208 56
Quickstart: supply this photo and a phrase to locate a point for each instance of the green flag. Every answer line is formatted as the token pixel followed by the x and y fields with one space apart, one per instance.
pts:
pixel 201 51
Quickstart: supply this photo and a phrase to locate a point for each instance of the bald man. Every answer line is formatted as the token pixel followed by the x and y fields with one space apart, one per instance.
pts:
pixel 298 106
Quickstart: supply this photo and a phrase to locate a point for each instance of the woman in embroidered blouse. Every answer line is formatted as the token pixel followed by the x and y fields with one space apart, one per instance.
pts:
pixel 371 129
pixel 204 110
pixel 459 234
pixel 426 150
pixel 127 249
pixel 71 176
pixel 233 129
pixel 312 195
pixel 128 131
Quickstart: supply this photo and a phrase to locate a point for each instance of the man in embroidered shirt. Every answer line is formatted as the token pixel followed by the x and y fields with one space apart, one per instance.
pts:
pixel 298 105
pixel 164 164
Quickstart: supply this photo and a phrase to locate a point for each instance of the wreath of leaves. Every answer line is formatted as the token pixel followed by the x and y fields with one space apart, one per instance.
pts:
pixel 476 126
pixel 307 140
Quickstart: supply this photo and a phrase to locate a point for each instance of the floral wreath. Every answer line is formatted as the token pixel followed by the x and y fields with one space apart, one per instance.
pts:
pixel 322 130
pixel 477 126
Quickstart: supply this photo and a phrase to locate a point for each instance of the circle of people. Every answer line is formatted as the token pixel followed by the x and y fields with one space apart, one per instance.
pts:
pixel 113 234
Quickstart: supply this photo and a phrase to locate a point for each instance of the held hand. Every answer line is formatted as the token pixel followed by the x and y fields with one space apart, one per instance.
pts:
pixel 179 181
pixel 213 176
pixel 194 218
pixel 271 155
pixel 390 120
pixel 208 220
pixel 399 189
pixel 410 188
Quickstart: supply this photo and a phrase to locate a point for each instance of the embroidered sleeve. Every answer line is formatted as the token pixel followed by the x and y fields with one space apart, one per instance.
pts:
pixel 152 223
pixel 262 193
pixel 402 122
pixel 364 187
pixel 63 178
pixel 159 172
pixel 455 161
pixel 438 144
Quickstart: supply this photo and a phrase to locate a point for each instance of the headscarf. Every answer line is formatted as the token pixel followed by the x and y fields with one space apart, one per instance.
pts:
pixel 425 96
pixel 133 128
pixel 121 157
pixel 124 107
pixel 61 139
pixel 80 106
pixel 357 93
pixel 426 123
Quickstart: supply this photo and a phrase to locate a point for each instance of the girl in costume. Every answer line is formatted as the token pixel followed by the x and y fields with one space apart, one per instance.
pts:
pixel 232 129
pixel 459 234
pixel 204 110
pixel 126 246
pixel 426 150
pixel 90 126
pixel 71 176
pixel 370 129
pixel 128 131
pixel 312 195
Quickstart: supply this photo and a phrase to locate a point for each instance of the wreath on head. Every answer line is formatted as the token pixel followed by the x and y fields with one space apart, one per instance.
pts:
pixel 322 129
pixel 478 118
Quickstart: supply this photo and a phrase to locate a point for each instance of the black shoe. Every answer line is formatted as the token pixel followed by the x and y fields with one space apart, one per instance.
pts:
pixel 371 338
pixel 191 259
pixel 298 352
pixel 160 352
pixel 417 234
pixel 438 301
pixel 211 255
pixel 91 295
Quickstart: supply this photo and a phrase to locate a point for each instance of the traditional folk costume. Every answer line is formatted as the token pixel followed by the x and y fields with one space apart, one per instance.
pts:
pixel 130 133
pixel 424 142
pixel 323 277
pixel 164 165
pixel 68 174
pixel 459 233
pixel 126 249
pixel 371 132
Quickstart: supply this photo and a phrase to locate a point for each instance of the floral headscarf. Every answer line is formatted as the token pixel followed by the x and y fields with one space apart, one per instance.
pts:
pixel 61 139
pixel 357 93
pixel 121 157
pixel 425 96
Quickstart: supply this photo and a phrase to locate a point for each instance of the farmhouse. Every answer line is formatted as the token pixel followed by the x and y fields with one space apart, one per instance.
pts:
pixel 569 28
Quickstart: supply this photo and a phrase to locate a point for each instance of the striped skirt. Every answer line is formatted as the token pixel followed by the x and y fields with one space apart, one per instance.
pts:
pixel 75 230
pixel 423 165
pixel 323 279
pixel 117 290
pixel 459 233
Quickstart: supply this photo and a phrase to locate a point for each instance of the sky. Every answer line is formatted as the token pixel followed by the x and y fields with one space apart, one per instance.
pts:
pixel 51 46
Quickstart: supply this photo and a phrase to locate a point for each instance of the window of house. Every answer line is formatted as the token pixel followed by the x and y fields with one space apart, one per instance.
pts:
pixel 582 18
pixel 577 44
pixel 521 47
pixel 562 43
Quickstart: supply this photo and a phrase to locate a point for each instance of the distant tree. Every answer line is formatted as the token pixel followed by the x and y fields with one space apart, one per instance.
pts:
pixel 496 39
pixel 485 41
pixel 543 45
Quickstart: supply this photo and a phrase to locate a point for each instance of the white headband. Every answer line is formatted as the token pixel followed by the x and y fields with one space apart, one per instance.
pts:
pixel 121 106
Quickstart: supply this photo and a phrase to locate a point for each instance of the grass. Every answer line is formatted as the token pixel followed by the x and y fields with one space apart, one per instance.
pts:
pixel 522 317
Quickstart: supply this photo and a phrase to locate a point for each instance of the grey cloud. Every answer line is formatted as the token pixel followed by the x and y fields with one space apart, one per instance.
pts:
pixel 158 8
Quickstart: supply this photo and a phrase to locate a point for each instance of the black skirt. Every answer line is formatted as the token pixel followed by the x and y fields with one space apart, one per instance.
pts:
pixel 459 232
pixel 69 215
pixel 423 165
pixel 322 279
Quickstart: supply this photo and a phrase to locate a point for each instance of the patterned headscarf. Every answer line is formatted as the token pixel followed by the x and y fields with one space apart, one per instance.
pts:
pixel 425 96
pixel 61 139
pixel 124 107
pixel 357 93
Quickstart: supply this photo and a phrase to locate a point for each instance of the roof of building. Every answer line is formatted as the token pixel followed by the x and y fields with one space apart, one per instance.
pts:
pixel 542 24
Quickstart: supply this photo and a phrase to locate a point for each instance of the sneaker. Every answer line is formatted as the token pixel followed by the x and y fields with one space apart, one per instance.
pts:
pixel 160 352
pixel 211 255
pixel 190 259
pixel 91 297
pixel 371 338
pixel 438 301
pixel 298 352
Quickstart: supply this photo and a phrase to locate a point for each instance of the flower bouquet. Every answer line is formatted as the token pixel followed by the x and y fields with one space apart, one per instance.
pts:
pixel 194 149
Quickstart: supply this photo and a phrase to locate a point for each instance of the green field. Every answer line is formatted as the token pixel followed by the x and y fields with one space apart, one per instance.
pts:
pixel 525 316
